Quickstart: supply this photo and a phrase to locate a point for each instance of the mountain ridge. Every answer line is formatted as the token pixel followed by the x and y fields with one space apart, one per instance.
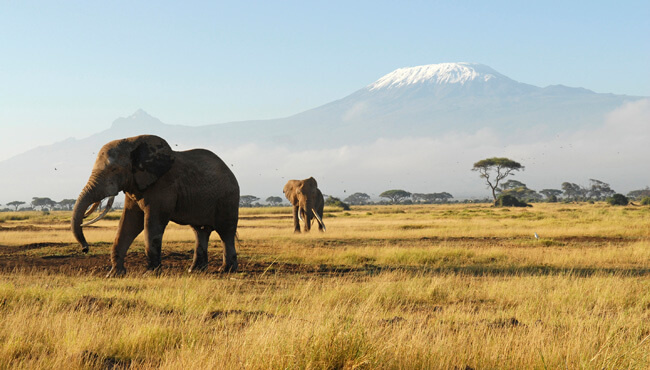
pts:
pixel 509 109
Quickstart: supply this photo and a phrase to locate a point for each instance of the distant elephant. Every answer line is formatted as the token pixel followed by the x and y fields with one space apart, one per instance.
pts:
pixel 193 187
pixel 307 200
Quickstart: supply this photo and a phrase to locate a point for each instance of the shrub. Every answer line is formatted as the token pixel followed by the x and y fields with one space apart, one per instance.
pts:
pixel 509 201
pixel 618 200
pixel 336 202
pixel 645 201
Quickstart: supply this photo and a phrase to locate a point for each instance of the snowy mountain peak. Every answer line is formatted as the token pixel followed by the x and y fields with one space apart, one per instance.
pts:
pixel 443 73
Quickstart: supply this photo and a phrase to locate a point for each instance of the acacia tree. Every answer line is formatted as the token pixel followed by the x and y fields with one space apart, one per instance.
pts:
pixel 15 203
pixel 42 202
pixel 574 191
pixel 551 194
pixel 358 199
pixel 518 190
pixel 247 200
pixel 442 197
pixel 422 198
pixel 599 190
pixel 634 194
pixel 396 195
pixel 493 170
pixel 67 203
pixel 429 198
pixel 274 200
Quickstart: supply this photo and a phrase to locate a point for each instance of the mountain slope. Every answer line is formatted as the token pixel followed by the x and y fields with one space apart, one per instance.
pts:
pixel 418 102
pixel 432 100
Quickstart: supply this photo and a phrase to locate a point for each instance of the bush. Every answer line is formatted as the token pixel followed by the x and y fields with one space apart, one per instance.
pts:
pixel 509 201
pixel 336 202
pixel 645 201
pixel 618 200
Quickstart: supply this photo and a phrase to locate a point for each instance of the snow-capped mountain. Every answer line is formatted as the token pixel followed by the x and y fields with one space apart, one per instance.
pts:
pixel 423 102
pixel 444 73
pixel 449 97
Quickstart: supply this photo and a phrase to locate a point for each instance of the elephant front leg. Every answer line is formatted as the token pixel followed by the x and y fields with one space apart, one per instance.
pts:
pixel 296 220
pixel 154 229
pixel 200 261
pixel 131 225
pixel 308 220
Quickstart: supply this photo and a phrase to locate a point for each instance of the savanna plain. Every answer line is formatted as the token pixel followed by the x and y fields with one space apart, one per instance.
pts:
pixel 418 286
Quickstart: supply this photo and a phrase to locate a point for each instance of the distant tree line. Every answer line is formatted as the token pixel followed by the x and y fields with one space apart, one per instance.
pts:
pixel 495 170
pixel 44 204
pixel 569 192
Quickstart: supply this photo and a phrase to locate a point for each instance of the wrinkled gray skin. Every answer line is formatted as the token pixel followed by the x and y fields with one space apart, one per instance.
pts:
pixel 193 187
pixel 307 201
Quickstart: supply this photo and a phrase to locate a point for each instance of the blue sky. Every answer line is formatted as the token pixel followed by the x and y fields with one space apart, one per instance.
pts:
pixel 69 68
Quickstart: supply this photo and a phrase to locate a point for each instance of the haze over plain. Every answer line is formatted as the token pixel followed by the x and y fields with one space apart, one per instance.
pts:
pixel 196 65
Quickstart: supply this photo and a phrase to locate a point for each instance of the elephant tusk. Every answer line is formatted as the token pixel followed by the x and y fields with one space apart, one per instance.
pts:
pixel 320 221
pixel 91 209
pixel 300 215
pixel 109 204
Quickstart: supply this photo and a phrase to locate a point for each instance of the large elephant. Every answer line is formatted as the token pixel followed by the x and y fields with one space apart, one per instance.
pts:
pixel 193 187
pixel 307 200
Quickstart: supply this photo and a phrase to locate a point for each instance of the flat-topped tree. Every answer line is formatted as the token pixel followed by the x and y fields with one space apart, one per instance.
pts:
pixel 493 170
pixel 42 202
pixel 358 199
pixel 551 194
pixel 274 201
pixel 67 203
pixel 247 200
pixel 15 204
pixel 395 195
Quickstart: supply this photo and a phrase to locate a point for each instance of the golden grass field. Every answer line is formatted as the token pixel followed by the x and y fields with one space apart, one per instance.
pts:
pixel 436 286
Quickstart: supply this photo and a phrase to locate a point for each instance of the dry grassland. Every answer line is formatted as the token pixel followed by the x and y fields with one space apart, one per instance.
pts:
pixel 440 286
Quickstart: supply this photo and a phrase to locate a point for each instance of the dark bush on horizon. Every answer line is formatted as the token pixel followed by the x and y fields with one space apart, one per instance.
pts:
pixel 618 200
pixel 336 202
pixel 510 201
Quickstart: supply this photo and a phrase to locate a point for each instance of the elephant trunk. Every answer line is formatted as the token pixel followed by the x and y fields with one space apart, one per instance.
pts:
pixel 308 215
pixel 88 196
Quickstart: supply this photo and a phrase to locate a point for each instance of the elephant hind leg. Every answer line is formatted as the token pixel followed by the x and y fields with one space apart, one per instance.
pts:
pixel 229 252
pixel 200 261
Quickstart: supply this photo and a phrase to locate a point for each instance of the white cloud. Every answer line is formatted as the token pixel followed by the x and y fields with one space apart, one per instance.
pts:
pixel 355 112
pixel 616 153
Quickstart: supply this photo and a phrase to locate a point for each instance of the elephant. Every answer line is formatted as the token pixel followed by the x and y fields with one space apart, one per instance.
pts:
pixel 193 187
pixel 306 199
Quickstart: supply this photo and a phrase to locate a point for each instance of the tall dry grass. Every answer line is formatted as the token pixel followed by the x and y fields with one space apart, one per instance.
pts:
pixel 385 287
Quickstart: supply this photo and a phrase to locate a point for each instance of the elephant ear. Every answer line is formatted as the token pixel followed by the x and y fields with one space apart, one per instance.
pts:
pixel 310 183
pixel 289 191
pixel 151 159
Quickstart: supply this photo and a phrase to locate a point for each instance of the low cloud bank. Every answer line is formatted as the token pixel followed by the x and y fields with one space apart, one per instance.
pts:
pixel 615 153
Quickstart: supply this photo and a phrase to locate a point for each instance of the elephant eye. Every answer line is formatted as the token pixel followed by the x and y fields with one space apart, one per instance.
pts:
pixel 110 160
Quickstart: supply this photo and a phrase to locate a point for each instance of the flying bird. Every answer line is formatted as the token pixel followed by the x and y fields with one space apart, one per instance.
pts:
pixel 536 236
